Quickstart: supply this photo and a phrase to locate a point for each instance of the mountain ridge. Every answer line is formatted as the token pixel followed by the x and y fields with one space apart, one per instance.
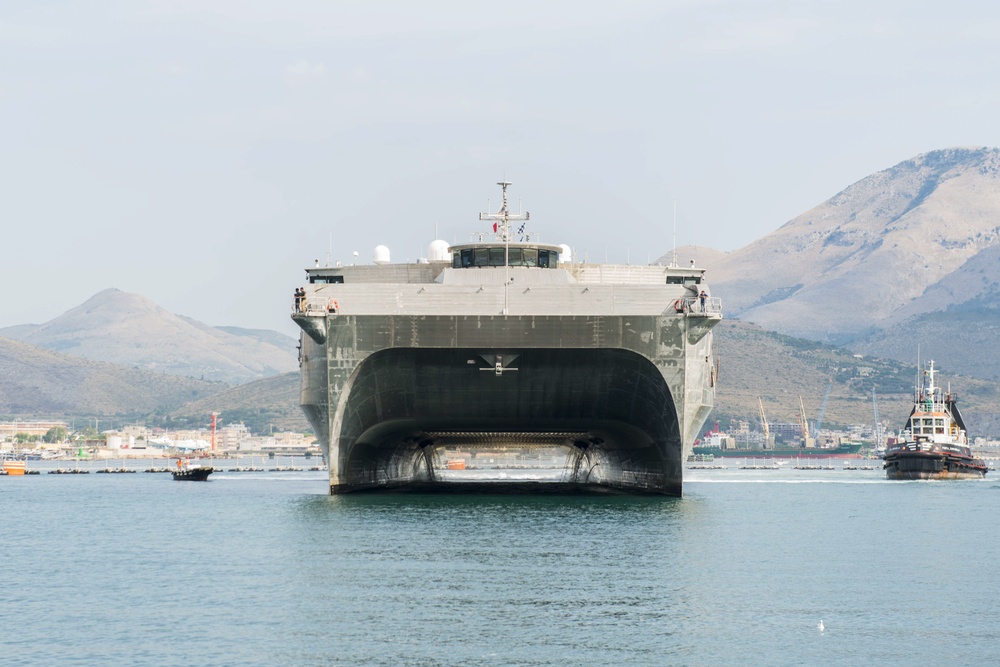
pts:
pixel 36 381
pixel 869 267
pixel 129 329
pixel 853 262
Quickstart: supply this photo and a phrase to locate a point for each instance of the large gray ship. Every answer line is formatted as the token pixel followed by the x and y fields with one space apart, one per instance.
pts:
pixel 506 344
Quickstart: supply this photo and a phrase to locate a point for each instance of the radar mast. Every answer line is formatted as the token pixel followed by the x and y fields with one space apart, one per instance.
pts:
pixel 503 217
pixel 501 227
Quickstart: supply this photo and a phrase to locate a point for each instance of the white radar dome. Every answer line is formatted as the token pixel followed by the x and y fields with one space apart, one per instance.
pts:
pixel 381 255
pixel 437 251
pixel 565 253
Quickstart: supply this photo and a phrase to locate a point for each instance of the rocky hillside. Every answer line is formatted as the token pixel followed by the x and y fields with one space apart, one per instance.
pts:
pixel 920 237
pixel 129 329
pixel 38 382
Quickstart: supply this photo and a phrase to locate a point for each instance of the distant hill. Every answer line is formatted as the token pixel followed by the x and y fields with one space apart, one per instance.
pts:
pixel 261 404
pixel 129 329
pixel 268 336
pixel 35 382
pixel 700 255
pixel 891 246
pixel 909 255
pixel 779 369
pixel 963 334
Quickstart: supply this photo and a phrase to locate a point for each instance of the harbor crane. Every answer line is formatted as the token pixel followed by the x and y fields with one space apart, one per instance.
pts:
pixel 802 420
pixel 807 441
pixel 763 424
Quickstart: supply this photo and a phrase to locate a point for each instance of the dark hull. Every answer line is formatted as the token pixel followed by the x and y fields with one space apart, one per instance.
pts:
pixel 193 475
pixel 841 452
pixel 915 466
pixel 612 409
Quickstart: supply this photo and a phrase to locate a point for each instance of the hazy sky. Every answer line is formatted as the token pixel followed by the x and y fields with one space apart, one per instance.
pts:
pixel 202 152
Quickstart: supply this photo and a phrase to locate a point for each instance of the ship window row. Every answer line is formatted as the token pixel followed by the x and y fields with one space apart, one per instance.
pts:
pixel 683 280
pixel 478 257
pixel 329 280
pixel 927 426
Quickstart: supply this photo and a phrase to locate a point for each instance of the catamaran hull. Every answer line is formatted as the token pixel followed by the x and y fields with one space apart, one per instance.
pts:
pixel 622 395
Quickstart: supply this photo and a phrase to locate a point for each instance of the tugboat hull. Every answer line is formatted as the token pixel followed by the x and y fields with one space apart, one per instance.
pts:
pixel 932 468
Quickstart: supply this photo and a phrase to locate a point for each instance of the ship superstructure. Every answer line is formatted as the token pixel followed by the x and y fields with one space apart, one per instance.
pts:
pixel 499 342
pixel 934 443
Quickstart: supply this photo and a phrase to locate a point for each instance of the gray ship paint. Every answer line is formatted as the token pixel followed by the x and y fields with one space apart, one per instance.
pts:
pixel 503 342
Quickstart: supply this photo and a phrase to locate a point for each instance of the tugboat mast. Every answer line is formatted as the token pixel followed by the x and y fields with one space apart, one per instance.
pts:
pixel 930 393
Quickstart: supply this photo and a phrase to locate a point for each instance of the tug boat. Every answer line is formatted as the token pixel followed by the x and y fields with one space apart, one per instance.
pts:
pixel 191 473
pixel 933 444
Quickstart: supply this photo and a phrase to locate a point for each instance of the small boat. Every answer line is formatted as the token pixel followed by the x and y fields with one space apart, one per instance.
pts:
pixel 14 468
pixel 191 473
pixel 934 444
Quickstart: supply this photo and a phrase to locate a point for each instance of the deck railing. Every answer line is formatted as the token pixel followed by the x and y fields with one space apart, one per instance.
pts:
pixel 314 306
pixel 694 306
pixel 687 306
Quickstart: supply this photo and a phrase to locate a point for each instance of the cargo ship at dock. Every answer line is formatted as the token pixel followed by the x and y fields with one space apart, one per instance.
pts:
pixel 718 444
pixel 934 443
pixel 506 343
pixel 844 450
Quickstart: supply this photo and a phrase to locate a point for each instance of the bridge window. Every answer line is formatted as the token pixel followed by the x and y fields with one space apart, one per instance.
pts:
pixel 495 256
pixel 324 280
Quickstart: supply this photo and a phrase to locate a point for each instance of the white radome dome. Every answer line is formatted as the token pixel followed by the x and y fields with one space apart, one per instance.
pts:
pixel 565 253
pixel 381 255
pixel 437 251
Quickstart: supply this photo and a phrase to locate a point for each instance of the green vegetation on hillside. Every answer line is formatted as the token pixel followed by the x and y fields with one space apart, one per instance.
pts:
pixel 779 369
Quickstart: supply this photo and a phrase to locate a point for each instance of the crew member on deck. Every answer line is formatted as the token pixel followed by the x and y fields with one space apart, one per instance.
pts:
pixel 703 297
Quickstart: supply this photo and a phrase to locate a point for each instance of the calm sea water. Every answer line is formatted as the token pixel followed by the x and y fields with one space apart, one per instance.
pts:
pixel 266 569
